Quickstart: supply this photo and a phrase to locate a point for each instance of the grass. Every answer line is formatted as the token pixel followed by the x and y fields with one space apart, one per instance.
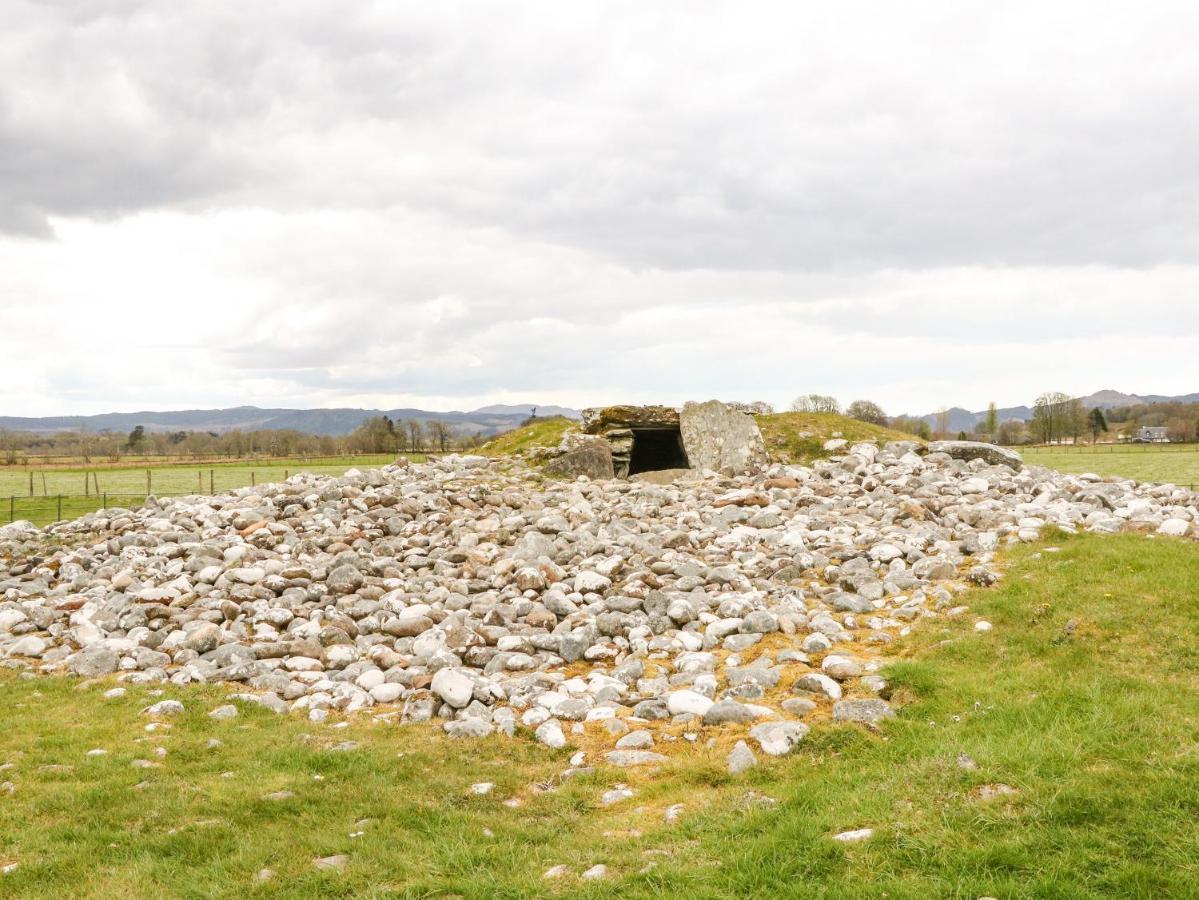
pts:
pixel 542 433
pixel 789 437
pixel 1083 699
pixel 1144 462
pixel 126 486
pixel 794 437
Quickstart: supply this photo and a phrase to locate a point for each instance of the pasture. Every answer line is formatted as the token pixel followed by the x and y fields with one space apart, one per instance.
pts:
pixel 32 492
pixel 1156 463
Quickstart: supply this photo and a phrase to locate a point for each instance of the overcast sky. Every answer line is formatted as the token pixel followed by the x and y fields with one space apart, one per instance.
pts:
pixel 445 205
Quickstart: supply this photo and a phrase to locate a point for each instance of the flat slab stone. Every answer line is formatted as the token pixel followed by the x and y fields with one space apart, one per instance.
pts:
pixel 778 738
pixel 989 453
pixel 626 758
pixel 592 458
pixel 867 712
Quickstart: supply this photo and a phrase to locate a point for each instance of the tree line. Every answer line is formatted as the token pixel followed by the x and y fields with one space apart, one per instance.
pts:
pixel 376 435
pixel 1056 418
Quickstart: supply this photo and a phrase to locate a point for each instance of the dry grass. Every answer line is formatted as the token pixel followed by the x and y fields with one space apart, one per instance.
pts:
pixel 799 438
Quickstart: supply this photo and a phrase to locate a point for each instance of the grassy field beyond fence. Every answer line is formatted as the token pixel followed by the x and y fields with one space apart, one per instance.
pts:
pixel 43 495
pixel 1157 463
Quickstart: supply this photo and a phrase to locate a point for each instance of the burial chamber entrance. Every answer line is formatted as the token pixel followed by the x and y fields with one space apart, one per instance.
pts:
pixel 656 448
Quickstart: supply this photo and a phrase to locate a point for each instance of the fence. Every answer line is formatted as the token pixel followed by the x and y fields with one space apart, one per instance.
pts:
pixel 1093 449
pixel 26 460
pixel 55 508
pixel 45 500
pixel 175 480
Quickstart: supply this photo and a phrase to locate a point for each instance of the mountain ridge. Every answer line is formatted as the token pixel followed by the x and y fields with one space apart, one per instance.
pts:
pixel 323 421
pixel 961 419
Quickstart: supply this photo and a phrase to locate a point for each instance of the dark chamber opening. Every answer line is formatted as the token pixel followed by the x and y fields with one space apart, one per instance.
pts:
pixel 657 448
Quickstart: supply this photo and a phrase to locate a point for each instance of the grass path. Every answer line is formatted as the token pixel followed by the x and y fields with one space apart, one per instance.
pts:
pixel 1083 700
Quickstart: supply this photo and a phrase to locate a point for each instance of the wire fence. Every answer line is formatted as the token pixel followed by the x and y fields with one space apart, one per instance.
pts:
pixel 22 460
pixel 162 482
pixel 47 496
pixel 1094 449
pixel 43 510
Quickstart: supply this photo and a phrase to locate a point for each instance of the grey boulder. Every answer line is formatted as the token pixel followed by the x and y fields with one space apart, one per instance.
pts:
pixel 720 438
pixel 988 453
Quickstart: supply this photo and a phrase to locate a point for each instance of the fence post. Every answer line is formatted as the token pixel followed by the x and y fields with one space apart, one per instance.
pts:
pixel 12 505
pixel 252 481
pixel 31 482
pixel 148 490
pixel 105 506
pixel 210 490
pixel 59 519
pixel 86 487
pixel 199 482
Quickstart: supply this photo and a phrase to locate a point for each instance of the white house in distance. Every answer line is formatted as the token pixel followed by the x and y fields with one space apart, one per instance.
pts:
pixel 1150 434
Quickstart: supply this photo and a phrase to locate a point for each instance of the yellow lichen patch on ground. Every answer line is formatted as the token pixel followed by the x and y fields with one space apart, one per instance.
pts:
pixel 711 744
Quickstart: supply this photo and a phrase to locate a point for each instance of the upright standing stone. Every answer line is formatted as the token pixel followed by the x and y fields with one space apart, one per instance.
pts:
pixel 720 438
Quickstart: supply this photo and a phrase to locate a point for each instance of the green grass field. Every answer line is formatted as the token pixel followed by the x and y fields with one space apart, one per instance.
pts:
pixel 543 433
pixel 1082 702
pixel 795 437
pixel 125 486
pixel 1145 462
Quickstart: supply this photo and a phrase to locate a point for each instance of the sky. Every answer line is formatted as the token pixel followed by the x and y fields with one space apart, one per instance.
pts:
pixel 446 205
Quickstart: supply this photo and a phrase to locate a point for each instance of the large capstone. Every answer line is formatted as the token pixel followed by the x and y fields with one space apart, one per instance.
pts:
pixel 604 419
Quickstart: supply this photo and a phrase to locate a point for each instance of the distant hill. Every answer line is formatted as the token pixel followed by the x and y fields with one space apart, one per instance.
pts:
pixel 487 421
pixel 543 412
pixel 964 420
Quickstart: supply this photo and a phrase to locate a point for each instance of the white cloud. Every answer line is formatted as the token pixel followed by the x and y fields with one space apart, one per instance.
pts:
pixel 292 203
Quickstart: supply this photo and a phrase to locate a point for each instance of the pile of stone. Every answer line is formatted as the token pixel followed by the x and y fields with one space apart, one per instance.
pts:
pixel 481 595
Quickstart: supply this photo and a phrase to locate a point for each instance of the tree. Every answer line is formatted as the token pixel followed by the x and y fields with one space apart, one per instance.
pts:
pixel 991 426
pixel 866 411
pixel 442 434
pixel 11 445
pixel 415 434
pixel 1098 423
pixel 137 437
pixel 1054 416
pixel 1076 419
pixel 1180 430
pixel 1012 432
pixel 756 408
pixel 910 425
pixel 373 436
pixel 816 403
pixel 942 423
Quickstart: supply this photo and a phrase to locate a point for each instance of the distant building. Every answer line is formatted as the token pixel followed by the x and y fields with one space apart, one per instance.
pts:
pixel 1151 434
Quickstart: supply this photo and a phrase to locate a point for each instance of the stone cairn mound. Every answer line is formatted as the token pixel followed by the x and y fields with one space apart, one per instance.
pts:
pixel 479 595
